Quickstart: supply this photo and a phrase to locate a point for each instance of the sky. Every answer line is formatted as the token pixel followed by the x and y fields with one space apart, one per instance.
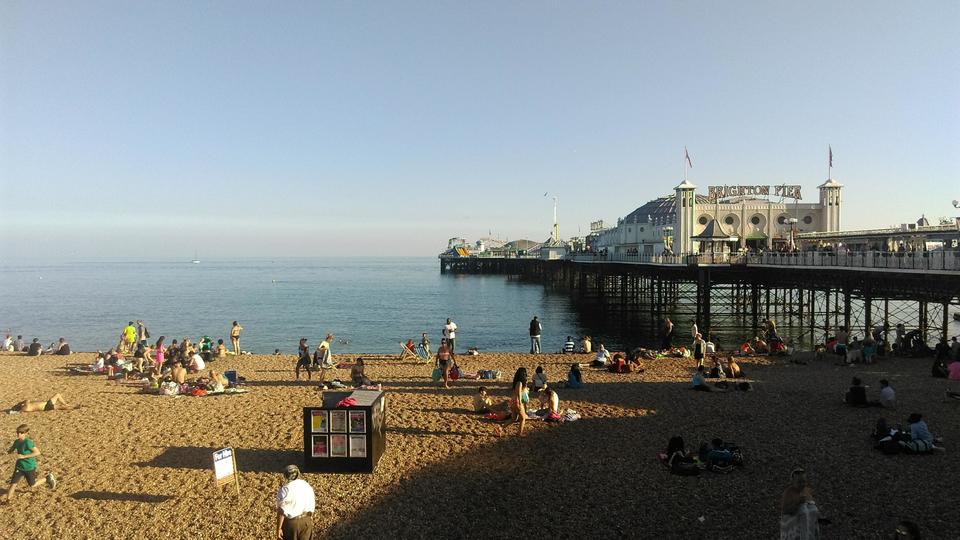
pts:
pixel 252 129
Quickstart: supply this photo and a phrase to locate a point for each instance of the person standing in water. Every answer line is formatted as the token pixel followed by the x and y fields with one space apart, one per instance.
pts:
pixel 235 337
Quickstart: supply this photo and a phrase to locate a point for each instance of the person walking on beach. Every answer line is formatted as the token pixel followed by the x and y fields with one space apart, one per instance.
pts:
pixel 296 503
pixel 26 465
pixel 667 334
pixel 443 361
pixel 450 332
pixel 127 337
pixel 142 333
pixel 535 329
pixel 303 359
pixel 235 337
pixel 323 359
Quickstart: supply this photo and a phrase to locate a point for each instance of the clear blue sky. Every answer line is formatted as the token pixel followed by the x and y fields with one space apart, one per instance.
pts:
pixel 139 129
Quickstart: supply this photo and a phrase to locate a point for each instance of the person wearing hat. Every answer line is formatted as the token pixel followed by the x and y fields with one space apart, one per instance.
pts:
pixel 296 503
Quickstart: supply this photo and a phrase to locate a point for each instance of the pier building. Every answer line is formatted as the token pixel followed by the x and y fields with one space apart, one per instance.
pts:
pixel 726 219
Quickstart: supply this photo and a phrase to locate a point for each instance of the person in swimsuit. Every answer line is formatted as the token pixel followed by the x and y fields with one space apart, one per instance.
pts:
pixel 55 403
pixel 235 337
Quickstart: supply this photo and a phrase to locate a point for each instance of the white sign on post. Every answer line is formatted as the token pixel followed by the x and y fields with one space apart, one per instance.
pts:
pixel 225 468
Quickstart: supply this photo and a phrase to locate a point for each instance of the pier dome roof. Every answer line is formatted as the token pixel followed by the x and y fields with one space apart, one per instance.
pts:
pixel 658 210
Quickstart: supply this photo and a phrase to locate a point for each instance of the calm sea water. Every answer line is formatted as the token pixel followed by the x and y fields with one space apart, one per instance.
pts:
pixel 372 303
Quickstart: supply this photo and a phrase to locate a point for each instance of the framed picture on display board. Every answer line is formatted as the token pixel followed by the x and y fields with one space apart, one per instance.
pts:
pixel 338 421
pixel 338 445
pixel 358 446
pixel 320 446
pixel 358 421
pixel 318 421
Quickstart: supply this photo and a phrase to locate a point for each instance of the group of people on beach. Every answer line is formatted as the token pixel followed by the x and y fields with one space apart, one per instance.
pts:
pixel 35 348
pixel 515 408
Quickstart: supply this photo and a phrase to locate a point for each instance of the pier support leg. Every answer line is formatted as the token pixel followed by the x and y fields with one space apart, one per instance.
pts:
pixel 945 327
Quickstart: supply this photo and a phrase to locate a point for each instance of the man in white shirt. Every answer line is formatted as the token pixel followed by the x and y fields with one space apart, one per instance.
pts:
pixel 450 332
pixel 295 506
pixel 888 398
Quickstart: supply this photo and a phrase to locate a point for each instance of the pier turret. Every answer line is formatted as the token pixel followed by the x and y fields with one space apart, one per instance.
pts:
pixel 686 214
pixel 830 201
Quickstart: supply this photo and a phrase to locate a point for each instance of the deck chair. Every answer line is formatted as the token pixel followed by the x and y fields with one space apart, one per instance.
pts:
pixel 422 354
pixel 405 352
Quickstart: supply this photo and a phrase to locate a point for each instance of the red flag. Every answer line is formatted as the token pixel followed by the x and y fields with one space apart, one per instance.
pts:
pixel 831 155
pixel 687 155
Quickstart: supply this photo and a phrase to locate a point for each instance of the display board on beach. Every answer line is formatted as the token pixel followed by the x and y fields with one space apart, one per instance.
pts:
pixel 345 439
pixel 225 468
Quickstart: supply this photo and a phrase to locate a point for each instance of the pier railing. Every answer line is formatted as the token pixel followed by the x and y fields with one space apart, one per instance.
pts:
pixel 926 261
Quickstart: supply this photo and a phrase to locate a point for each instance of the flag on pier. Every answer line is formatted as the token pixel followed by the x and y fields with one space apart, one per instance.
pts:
pixel 687 156
pixel 830 150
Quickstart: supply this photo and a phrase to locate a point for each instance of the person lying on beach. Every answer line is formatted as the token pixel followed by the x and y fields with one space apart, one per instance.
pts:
pixel 539 379
pixel 716 456
pixel 217 381
pixel 574 377
pixel 55 403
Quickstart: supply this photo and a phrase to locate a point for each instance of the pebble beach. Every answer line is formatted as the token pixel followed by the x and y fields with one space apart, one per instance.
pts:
pixel 131 464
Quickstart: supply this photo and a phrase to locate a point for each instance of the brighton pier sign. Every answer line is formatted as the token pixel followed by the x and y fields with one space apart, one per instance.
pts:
pixel 725 192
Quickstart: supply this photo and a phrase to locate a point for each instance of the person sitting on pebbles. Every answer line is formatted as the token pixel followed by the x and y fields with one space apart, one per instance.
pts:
pixel 574 377
pixel 358 374
pixel 482 402
pixel 55 403
pixel 602 358
pixel 733 369
pixel 551 401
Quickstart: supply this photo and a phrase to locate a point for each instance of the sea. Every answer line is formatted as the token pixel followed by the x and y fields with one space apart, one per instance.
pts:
pixel 369 304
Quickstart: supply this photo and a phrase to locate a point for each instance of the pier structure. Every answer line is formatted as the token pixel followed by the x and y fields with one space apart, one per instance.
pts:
pixel 809 295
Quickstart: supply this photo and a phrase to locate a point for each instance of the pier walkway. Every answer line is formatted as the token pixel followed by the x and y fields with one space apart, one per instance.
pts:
pixel 815 292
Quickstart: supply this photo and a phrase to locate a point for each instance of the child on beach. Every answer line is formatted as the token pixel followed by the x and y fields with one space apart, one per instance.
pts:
pixel 26 465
